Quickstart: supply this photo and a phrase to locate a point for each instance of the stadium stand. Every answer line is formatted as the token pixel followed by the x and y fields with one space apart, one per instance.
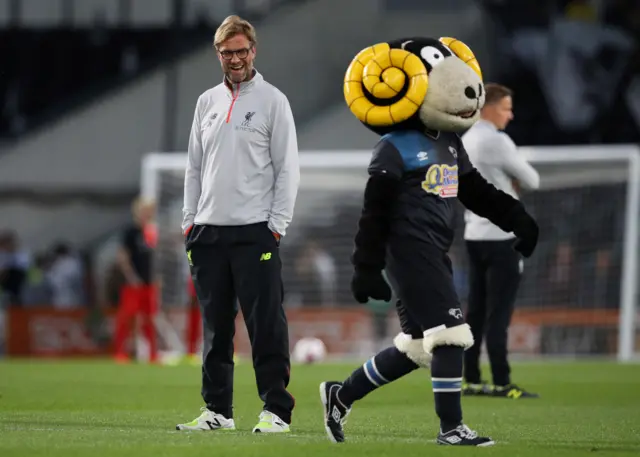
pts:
pixel 581 56
pixel 69 61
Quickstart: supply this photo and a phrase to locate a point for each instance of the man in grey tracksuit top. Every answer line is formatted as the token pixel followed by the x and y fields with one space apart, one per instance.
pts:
pixel 241 183
pixel 494 266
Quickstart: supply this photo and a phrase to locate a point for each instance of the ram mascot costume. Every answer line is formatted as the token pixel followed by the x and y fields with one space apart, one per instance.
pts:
pixel 418 94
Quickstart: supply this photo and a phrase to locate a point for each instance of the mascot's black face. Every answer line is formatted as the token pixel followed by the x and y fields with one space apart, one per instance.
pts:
pixel 415 82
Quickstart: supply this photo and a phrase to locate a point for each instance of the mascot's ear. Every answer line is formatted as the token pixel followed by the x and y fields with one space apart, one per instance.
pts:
pixel 385 86
pixel 463 52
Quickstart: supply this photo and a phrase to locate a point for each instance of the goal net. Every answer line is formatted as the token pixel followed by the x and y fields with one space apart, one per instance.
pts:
pixel 578 294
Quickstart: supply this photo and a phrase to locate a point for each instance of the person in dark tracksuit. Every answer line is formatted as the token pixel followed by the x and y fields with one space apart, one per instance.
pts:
pixel 241 184
pixel 495 268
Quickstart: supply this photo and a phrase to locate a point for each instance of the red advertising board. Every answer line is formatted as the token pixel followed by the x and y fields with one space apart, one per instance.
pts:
pixel 44 332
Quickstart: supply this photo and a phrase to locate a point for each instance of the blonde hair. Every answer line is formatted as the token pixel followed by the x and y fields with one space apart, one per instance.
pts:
pixel 232 26
pixel 140 204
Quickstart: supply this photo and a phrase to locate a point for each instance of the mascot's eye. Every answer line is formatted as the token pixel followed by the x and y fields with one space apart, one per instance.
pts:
pixel 433 56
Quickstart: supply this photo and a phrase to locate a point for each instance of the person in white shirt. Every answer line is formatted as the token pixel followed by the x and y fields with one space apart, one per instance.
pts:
pixel 495 267
pixel 66 279
pixel 241 184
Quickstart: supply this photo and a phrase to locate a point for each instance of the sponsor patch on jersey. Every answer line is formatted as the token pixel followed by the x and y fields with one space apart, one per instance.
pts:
pixel 441 180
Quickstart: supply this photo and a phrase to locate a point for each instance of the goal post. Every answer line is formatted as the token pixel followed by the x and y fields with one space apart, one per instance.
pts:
pixel 579 294
pixel 600 156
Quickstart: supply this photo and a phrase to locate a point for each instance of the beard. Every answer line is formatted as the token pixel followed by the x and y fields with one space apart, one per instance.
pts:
pixel 237 76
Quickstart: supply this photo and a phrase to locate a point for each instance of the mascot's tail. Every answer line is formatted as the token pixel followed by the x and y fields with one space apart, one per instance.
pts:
pixel 385 86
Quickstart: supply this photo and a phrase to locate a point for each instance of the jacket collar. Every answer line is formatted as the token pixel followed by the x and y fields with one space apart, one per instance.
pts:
pixel 486 124
pixel 245 86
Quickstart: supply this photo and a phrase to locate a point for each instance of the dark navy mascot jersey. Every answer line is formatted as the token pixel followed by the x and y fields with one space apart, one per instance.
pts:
pixel 428 168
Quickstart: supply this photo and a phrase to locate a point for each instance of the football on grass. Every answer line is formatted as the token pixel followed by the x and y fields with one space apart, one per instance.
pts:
pixel 309 350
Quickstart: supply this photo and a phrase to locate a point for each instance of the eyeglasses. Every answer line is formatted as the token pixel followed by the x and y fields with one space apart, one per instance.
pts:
pixel 241 53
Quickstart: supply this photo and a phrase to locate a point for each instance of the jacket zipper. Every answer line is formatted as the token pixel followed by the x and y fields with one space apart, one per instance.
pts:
pixel 233 101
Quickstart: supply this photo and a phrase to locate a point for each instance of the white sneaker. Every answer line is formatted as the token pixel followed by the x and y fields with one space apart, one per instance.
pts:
pixel 208 420
pixel 270 423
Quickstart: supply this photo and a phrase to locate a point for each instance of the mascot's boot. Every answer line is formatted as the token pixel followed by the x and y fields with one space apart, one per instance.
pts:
pixel 463 436
pixel 335 412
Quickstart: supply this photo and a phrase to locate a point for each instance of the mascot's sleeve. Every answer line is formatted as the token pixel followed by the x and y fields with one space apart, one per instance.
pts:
pixel 385 174
pixel 483 198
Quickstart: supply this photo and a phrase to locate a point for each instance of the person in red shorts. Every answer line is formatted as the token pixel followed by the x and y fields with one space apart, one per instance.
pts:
pixel 138 295
pixel 194 323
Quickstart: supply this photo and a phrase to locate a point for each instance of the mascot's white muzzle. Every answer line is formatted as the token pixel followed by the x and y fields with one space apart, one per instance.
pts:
pixel 455 96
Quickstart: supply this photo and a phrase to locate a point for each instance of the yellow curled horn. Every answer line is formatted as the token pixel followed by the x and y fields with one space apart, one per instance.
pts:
pixel 463 52
pixel 383 72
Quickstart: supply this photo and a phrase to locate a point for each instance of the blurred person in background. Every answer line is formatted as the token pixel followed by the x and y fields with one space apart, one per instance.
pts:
pixel 138 295
pixel 494 266
pixel 38 291
pixel 65 276
pixel 194 323
pixel 14 264
pixel 316 269
pixel 241 184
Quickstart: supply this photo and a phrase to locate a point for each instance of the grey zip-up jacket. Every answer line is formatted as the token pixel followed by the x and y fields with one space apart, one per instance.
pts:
pixel 497 158
pixel 243 164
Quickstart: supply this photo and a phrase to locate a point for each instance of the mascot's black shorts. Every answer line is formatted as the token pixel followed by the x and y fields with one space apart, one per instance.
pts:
pixel 422 277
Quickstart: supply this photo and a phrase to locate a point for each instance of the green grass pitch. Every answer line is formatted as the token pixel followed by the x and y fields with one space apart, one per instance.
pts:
pixel 98 408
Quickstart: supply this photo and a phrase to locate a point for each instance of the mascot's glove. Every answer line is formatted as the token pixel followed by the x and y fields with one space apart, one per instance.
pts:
pixel 367 284
pixel 526 230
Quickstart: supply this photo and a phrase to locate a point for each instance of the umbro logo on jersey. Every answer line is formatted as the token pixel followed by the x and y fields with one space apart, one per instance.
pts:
pixel 422 155
pixel 453 151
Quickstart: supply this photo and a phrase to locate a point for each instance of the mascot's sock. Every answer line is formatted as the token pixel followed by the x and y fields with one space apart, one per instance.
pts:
pixel 386 366
pixel 446 377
